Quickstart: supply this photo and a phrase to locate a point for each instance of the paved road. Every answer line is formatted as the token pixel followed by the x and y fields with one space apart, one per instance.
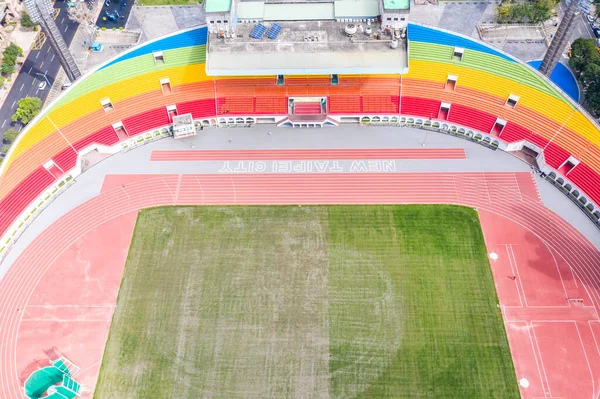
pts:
pixel 581 26
pixel 39 62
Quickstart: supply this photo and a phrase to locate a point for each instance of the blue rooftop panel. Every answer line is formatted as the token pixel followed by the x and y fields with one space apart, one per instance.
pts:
pixel 273 31
pixel 258 31
pixel 195 37
pixel 420 33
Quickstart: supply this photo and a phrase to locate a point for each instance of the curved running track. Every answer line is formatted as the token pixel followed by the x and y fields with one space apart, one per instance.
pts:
pixel 497 193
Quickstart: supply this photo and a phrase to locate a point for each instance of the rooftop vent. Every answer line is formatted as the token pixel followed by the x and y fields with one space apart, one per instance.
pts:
pixel 350 29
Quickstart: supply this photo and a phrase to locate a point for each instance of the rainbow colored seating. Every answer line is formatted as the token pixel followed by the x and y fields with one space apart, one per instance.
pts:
pixel 544 116
pixel 134 84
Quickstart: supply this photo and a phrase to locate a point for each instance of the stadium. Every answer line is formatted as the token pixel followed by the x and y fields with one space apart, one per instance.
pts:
pixel 341 206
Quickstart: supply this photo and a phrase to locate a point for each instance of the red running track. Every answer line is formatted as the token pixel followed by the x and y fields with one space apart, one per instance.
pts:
pixel 306 155
pixel 496 194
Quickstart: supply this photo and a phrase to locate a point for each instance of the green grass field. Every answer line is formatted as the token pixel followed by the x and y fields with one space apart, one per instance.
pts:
pixel 311 302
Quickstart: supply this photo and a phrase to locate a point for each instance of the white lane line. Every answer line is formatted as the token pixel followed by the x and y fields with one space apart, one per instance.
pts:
pixel 21 89
pixel 37 55
pixel 72 306
pixel 52 59
pixel 13 104
pixel 4 123
pixel 539 354
pixel 66 28
pixel 30 68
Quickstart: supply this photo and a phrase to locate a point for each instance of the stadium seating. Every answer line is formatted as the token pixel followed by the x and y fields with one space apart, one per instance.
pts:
pixel 198 108
pixel 471 117
pixel 12 205
pixel 66 159
pixel 586 179
pixel 267 105
pixel 134 84
pixel 485 79
pixel 307 108
pixel 344 105
pixel 420 107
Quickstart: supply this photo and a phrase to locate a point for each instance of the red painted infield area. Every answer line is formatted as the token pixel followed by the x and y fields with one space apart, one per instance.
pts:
pixel 55 301
pixel 548 327
pixel 70 311
pixel 302 155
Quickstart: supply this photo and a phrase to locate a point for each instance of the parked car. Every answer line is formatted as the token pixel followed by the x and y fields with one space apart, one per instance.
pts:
pixel 590 18
pixel 597 33
pixel 42 86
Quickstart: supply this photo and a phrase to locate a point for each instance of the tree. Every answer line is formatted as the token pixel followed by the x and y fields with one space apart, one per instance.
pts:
pixel 583 51
pixel 541 10
pixel 585 61
pixel 534 12
pixel 26 21
pixel 503 14
pixel 9 59
pixel 29 107
pixel 590 80
pixel 4 149
pixel 13 51
pixel 7 69
pixel 10 135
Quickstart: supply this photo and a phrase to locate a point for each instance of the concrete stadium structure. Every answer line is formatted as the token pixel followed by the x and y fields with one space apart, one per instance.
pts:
pixel 452 83
pixel 430 79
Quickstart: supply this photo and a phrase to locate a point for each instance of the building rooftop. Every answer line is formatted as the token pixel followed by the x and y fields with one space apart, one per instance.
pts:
pixel 217 5
pixel 396 4
pixel 298 10
pixel 307 47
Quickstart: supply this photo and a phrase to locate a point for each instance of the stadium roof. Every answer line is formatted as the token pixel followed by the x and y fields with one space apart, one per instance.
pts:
pixel 291 10
pixel 298 11
pixel 356 8
pixel 218 5
pixel 254 10
pixel 309 47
